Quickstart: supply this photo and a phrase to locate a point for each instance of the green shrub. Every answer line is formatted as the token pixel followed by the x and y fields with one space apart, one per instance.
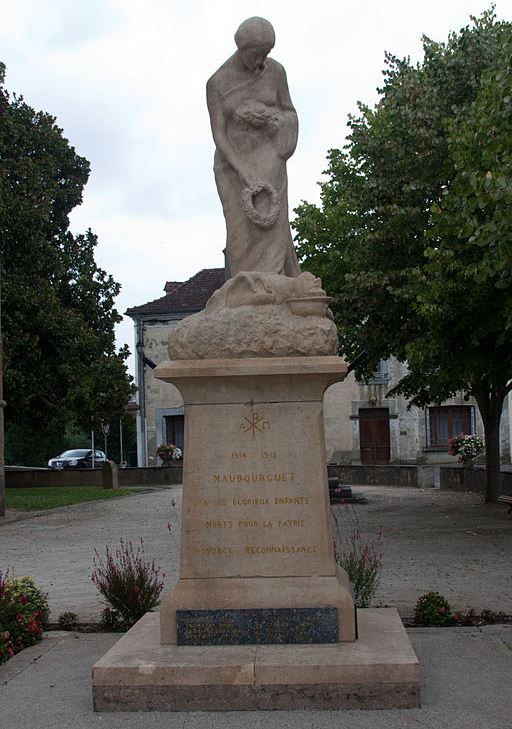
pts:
pixel 23 614
pixel 67 620
pixel 31 598
pixel 129 585
pixel 112 621
pixel 432 609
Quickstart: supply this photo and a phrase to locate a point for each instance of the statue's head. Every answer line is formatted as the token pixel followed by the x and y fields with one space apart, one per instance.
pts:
pixel 255 39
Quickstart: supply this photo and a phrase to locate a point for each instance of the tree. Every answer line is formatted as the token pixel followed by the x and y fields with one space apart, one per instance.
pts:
pixel 61 365
pixel 413 231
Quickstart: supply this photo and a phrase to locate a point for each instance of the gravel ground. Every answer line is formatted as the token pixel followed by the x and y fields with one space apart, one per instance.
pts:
pixel 434 540
pixel 440 540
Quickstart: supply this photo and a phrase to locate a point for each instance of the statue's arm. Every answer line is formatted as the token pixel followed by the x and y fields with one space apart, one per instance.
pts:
pixel 218 125
pixel 290 127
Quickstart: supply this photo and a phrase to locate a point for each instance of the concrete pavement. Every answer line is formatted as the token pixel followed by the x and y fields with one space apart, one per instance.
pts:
pixel 465 685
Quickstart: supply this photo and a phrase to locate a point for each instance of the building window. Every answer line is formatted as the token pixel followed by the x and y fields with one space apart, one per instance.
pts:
pixel 380 375
pixel 447 420
pixel 174 430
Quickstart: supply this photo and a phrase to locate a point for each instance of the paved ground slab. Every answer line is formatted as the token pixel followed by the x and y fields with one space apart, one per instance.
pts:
pixel 465 677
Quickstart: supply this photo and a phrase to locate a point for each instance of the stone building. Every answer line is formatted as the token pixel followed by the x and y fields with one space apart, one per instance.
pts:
pixel 362 425
pixel 160 416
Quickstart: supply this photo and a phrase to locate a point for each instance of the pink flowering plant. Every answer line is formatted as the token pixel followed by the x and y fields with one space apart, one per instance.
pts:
pixel 467 447
pixel 173 525
pixel 360 555
pixel 128 583
pixel 23 614
pixel 169 452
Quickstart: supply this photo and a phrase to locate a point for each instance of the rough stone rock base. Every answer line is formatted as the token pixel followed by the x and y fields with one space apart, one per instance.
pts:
pixel 378 671
pixel 267 331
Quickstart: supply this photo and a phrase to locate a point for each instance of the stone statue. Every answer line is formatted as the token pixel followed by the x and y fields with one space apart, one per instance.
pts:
pixel 268 308
pixel 255 127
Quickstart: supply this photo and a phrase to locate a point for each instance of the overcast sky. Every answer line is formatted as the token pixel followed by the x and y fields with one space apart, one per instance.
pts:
pixel 126 79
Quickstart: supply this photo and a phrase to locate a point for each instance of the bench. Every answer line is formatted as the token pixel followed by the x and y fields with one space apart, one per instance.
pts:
pixel 506 500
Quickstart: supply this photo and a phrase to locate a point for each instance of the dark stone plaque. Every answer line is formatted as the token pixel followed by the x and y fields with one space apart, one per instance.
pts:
pixel 257 626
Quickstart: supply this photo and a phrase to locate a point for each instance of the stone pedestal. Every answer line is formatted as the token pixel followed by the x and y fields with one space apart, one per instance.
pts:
pixel 257 563
pixel 377 671
pixel 260 618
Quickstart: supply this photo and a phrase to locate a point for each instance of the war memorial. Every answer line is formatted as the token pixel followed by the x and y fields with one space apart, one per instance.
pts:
pixel 261 616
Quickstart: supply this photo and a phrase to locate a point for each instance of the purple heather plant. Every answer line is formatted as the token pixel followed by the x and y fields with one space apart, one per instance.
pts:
pixel 359 555
pixel 130 585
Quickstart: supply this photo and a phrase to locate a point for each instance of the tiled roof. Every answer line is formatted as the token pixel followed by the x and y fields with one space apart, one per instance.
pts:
pixel 191 295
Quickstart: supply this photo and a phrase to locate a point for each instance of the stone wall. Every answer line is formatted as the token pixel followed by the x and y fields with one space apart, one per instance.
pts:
pixel 39 477
pixel 386 475
pixel 337 424
pixel 460 478
pixel 151 476
pixel 36 477
pixel 456 478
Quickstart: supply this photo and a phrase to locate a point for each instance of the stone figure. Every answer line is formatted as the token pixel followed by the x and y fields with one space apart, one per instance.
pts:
pixel 255 127
pixel 267 308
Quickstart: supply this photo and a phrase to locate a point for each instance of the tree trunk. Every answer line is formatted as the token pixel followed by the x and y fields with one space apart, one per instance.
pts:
pixel 490 405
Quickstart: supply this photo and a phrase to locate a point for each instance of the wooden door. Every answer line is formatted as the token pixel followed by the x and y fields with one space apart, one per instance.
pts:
pixel 374 435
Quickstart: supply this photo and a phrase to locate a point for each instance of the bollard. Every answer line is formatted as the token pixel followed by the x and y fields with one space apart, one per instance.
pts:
pixel 110 477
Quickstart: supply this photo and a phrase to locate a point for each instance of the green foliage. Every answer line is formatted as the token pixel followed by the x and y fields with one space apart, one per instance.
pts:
pixel 58 315
pixel 359 555
pixel 129 584
pixel 24 445
pixel 51 497
pixel 23 614
pixel 433 610
pixel 413 233
pixel 110 620
pixel 25 593
pixel 67 620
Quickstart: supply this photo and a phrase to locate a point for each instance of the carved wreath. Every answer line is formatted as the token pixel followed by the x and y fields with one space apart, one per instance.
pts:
pixel 255 216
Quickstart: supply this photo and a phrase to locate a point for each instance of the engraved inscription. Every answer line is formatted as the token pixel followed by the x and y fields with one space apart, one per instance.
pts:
pixel 215 502
pixel 289 500
pixel 238 455
pixel 290 522
pixel 251 505
pixel 258 501
pixel 267 455
pixel 213 550
pixel 218 524
pixel 256 424
pixel 252 477
pixel 281 549
pixel 250 501
pixel 257 626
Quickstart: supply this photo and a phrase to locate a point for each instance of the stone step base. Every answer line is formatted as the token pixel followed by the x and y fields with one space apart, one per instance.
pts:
pixel 378 671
